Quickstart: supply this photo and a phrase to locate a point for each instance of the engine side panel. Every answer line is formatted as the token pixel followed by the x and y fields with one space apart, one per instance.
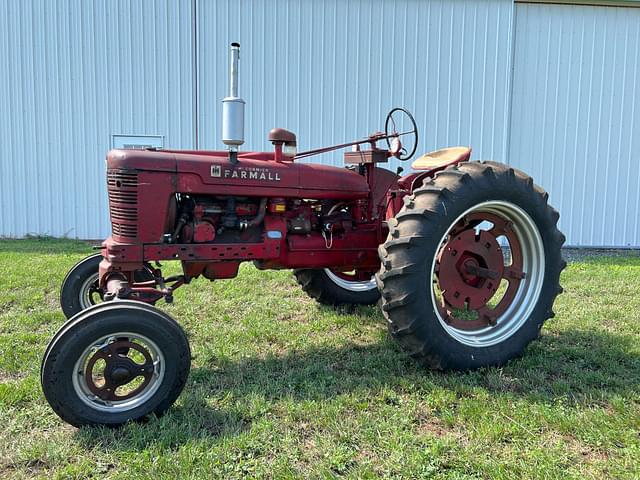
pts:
pixel 216 175
pixel 148 190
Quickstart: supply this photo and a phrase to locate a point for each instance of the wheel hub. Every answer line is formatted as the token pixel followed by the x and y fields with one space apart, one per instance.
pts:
pixel 119 370
pixel 470 268
pixel 476 282
pixel 120 374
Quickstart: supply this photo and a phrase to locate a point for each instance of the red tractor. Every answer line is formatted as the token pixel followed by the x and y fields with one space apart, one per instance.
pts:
pixel 464 257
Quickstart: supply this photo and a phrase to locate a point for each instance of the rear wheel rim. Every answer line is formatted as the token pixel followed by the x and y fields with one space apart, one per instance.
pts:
pixel 134 368
pixel 341 279
pixel 498 317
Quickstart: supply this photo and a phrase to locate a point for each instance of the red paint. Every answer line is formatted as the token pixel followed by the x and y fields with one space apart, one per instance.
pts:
pixel 285 232
pixel 204 232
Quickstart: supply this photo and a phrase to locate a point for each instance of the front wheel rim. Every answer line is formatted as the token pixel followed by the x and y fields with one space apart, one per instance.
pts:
pixel 524 276
pixel 89 293
pixel 119 352
pixel 350 285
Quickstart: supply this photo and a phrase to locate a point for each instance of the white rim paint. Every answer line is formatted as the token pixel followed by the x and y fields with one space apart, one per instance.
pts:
pixel 89 398
pixel 361 286
pixel 526 298
pixel 84 295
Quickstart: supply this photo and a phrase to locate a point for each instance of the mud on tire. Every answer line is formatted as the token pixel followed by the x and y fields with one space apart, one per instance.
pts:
pixel 422 238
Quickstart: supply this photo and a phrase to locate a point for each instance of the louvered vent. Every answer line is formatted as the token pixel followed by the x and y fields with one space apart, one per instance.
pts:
pixel 122 188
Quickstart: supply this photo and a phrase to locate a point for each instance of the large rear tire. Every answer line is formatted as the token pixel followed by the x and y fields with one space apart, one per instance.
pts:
pixel 338 288
pixel 115 362
pixel 471 267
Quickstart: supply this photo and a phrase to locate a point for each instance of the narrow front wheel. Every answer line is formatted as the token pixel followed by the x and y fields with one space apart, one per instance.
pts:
pixel 114 363
pixel 80 288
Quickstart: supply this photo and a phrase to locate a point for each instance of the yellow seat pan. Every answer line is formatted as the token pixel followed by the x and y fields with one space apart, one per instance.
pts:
pixel 441 158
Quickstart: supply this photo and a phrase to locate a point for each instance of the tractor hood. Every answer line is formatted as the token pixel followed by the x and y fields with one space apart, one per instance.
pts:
pixel 198 170
pixel 158 161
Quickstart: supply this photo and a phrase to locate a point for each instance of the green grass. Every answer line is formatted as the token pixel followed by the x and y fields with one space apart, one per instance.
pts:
pixel 281 387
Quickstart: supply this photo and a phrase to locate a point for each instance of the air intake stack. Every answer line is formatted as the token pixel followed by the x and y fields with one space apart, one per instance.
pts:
pixel 233 110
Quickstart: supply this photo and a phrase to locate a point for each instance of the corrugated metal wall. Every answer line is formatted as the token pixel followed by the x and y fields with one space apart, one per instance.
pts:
pixel 575 123
pixel 72 73
pixel 551 89
pixel 80 72
pixel 330 70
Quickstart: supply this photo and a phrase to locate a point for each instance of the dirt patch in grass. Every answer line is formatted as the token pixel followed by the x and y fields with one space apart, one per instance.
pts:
pixel 436 427
pixel 11 377
pixel 581 452
pixel 433 426
pixel 30 467
pixel 7 307
pixel 51 299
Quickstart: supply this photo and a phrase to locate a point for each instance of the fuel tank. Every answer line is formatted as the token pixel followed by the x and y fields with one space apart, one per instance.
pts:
pixel 255 174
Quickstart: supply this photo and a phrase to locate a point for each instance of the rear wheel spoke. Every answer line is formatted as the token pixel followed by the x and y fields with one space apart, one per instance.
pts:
pixel 469 269
pixel 514 273
pixel 488 316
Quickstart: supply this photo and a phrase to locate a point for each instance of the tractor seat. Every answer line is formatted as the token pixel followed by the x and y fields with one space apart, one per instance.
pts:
pixel 442 158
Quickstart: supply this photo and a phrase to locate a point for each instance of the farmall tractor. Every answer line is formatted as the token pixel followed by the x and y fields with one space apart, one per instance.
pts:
pixel 464 257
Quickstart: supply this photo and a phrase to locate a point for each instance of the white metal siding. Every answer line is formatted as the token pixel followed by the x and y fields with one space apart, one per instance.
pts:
pixel 330 70
pixel 72 74
pixel 575 123
pixel 561 105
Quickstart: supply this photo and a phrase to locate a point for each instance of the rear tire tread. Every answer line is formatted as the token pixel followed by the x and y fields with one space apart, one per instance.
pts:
pixel 400 288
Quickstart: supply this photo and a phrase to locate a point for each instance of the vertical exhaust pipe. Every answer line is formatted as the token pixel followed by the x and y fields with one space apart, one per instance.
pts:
pixel 233 110
pixel 233 80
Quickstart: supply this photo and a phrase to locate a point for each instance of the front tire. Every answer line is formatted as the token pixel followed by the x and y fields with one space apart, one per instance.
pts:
pixel 114 363
pixel 471 267
pixel 80 289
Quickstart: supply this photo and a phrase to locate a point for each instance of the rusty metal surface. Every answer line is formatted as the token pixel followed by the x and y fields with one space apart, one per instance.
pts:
pixel 119 370
pixel 471 267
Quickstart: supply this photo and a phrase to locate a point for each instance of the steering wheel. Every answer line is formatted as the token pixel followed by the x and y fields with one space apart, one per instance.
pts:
pixel 393 136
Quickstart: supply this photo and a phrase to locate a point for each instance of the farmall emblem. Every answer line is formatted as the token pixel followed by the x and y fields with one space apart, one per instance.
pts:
pixel 245 173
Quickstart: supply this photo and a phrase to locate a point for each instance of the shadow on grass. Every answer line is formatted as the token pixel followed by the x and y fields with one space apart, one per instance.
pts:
pixel 190 420
pixel 578 367
pixel 581 367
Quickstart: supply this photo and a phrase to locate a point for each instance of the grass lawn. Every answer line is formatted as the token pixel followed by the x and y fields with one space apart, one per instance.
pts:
pixel 282 387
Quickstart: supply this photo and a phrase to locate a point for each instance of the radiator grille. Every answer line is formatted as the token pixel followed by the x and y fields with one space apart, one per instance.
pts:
pixel 122 188
pixel 124 230
pixel 123 197
pixel 124 213
pixel 121 179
